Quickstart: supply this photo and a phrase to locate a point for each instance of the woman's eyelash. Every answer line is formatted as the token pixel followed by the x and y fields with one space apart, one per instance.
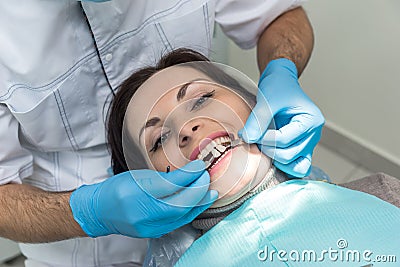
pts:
pixel 200 101
pixel 159 142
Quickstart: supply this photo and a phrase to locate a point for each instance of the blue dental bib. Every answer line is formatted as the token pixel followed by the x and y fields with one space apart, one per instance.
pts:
pixel 302 223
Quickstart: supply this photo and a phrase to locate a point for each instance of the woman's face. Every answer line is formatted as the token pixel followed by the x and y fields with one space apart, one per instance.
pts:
pixel 180 115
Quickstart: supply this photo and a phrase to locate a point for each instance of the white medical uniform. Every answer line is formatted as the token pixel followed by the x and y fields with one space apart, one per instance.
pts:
pixel 59 62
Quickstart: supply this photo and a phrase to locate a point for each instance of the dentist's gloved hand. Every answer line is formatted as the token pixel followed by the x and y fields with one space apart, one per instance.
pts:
pixel 298 121
pixel 143 203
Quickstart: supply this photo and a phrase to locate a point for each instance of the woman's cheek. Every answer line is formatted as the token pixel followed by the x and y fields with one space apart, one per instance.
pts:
pixel 175 160
pixel 159 163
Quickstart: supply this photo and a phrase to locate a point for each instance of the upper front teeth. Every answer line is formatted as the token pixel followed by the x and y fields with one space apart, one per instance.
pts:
pixel 215 147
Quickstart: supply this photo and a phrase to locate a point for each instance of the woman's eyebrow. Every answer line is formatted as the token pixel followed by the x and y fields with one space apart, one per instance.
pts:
pixel 153 121
pixel 182 91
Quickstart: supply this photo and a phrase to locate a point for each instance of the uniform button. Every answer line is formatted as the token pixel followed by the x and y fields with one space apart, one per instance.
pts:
pixel 109 57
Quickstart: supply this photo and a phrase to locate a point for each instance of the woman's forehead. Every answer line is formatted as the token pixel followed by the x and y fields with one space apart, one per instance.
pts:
pixel 164 80
pixel 150 92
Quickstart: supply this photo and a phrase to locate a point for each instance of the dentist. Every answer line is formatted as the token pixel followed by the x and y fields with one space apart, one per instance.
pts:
pixel 60 61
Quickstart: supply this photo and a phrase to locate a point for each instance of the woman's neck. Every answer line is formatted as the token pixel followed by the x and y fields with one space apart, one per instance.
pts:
pixel 263 167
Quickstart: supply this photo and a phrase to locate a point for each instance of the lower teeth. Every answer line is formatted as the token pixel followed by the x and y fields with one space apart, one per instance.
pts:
pixel 210 163
pixel 220 150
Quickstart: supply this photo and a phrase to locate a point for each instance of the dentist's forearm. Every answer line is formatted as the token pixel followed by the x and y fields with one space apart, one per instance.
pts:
pixel 289 36
pixel 31 215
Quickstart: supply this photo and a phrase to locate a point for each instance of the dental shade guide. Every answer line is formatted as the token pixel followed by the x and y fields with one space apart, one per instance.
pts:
pixel 209 162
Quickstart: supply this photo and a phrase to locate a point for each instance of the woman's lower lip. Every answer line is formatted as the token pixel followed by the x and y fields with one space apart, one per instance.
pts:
pixel 221 163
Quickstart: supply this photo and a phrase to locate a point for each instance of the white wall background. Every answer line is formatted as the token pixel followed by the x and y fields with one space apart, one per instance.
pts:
pixel 354 72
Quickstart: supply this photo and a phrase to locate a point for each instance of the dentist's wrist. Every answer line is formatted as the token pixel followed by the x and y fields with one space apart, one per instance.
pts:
pixel 280 65
pixel 82 202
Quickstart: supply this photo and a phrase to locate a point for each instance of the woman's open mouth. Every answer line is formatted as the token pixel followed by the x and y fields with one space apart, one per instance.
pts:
pixel 215 151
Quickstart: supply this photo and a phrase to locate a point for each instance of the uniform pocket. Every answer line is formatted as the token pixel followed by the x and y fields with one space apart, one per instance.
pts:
pixel 67 115
pixel 43 125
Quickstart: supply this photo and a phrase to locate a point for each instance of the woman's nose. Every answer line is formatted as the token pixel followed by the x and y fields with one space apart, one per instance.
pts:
pixel 188 132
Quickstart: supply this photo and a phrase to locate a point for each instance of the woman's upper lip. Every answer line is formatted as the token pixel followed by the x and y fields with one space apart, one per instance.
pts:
pixel 205 141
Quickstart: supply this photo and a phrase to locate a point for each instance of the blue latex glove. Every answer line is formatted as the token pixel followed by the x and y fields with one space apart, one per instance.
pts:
pixel 143 203
pixel 298 121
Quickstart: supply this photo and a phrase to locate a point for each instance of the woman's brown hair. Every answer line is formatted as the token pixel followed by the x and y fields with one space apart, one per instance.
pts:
pixel 119 104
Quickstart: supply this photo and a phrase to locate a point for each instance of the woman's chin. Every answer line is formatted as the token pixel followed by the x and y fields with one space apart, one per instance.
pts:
pixel 236 172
